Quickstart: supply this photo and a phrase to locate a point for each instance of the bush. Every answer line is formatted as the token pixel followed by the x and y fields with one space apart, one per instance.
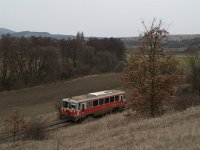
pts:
pixel 193 72
pixel 185 98
pixel 34 130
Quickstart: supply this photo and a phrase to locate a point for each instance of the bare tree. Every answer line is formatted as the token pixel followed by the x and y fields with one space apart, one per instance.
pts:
pixel 15 122
pixel 6 47
pixel 58 107
pixel 150 75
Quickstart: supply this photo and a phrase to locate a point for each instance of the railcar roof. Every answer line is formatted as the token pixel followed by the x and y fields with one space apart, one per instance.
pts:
pixel 96 95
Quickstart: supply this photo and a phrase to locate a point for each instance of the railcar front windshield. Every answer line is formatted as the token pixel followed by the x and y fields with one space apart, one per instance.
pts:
pixel 69 105
pixel 65 104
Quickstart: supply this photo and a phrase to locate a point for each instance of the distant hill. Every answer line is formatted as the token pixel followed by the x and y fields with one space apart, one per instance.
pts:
pixel 4 31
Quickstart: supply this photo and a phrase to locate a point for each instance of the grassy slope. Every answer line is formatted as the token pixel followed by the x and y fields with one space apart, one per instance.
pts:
pixel 40 100
pixel 172 131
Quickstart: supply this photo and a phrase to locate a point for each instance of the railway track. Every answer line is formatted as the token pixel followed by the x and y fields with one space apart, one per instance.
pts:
pixel 57 125
pixel 5 137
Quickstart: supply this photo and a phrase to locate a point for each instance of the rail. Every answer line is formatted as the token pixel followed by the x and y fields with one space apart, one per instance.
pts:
pixel 5 137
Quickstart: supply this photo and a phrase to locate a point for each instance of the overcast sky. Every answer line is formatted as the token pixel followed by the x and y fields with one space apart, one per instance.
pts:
pixel 117 18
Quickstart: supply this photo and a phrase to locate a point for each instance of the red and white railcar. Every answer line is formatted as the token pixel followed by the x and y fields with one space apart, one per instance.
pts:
pixel 92 104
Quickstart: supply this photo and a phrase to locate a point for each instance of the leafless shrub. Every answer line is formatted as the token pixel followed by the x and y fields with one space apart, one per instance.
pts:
pixel 58 107
pixel 15 122
pixel 34 130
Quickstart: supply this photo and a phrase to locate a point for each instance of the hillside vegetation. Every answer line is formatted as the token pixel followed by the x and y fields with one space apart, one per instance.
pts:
pixel 171 131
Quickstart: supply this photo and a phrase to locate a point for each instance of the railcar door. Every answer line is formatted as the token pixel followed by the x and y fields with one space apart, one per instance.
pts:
pixel 121 97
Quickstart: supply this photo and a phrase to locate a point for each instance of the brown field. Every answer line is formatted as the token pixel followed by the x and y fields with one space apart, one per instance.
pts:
pixel 115 132
pixel 41 99
pixel 176 37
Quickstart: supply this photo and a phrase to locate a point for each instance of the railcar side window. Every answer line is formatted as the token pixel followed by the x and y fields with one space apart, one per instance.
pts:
pixel 79 106
pixel 72 105
pixel 95 103
pixel 106 100
pixel 101 101
pixel 89 104
pixel 117 98
pixel 111 99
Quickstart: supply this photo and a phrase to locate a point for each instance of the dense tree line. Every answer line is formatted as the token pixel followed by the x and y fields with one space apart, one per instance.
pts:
pixel 30 61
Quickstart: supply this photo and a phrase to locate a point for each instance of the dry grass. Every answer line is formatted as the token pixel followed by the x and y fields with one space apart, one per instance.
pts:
pixel 179 130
